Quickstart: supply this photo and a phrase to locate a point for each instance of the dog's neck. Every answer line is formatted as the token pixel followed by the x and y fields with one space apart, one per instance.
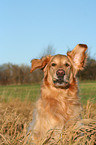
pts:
pixel 52 97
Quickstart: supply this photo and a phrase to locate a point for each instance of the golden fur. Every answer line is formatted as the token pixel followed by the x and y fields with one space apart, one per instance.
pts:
pixel 59 100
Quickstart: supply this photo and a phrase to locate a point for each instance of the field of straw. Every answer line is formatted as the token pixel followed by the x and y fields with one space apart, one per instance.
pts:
pixel 16 108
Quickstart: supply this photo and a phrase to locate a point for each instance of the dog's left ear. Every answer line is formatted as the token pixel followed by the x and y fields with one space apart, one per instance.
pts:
pixel 78 56
pixel 40 63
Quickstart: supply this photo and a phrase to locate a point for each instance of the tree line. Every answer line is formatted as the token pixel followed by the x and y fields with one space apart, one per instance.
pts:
pixel 15 74
pixel 20 74
pixel 89 72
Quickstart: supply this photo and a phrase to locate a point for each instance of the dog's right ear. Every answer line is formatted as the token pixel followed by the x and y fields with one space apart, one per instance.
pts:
pixel 40 63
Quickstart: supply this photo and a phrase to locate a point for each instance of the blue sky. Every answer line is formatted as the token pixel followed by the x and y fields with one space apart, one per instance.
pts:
pixel 27 27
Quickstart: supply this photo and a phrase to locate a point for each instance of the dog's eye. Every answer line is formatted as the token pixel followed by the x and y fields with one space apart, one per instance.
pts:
pixel 66 64
pixel 53 64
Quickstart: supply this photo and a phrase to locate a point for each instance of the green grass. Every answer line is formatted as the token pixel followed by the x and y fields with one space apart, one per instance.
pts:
pixel 87 91
pixel 32 92
pixel 28 92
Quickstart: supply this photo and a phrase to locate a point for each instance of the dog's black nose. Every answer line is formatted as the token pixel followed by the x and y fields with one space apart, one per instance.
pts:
pixel 60 73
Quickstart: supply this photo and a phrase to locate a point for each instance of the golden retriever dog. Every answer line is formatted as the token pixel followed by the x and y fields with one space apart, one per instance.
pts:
pixel 59 101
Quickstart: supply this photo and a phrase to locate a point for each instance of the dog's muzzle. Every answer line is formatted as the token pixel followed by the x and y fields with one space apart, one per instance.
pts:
pixel 59 81
pixel 60 76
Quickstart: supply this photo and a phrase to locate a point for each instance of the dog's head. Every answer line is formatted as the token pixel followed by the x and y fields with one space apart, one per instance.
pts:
pixel 60 70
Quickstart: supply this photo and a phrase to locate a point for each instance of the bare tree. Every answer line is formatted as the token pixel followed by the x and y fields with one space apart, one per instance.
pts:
pixel 48 51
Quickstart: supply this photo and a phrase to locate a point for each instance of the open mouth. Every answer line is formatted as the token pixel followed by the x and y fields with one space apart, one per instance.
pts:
pixel 61 83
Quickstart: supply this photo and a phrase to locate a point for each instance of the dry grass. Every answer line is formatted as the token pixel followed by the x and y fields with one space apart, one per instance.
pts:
pixel 16 115
pixel 14 118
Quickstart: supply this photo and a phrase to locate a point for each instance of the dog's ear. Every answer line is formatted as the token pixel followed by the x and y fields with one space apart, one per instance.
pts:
pixel 40 63
pixel 78 56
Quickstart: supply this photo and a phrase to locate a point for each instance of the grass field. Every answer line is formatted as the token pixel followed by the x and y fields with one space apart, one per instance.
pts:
pixel 32 92
pixel 87 91
pixel 22 92
pixel 16 109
